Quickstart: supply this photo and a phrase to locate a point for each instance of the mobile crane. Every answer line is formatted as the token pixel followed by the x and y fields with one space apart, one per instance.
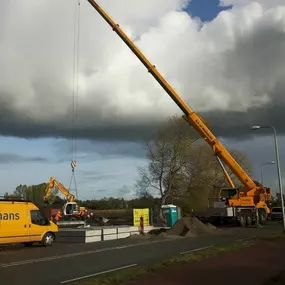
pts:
pixel 71 213
pixel 248 204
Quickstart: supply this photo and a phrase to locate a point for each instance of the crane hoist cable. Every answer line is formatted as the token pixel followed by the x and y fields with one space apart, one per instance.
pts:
pixel 75 91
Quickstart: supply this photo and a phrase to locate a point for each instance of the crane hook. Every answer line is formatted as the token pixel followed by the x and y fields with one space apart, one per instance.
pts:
pixel 73 165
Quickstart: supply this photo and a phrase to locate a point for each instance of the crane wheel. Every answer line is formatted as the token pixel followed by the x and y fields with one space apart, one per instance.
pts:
pixel 248 220
pixel 242 220
pixel 262 216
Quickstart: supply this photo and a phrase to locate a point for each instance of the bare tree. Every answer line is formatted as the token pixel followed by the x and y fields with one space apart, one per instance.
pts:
pixel 166 156
pixel 182 170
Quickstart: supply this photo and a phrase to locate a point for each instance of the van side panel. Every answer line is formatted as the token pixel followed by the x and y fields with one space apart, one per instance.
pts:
pixel 14 222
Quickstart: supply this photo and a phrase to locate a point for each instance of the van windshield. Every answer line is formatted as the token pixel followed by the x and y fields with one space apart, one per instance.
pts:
pixel 38 219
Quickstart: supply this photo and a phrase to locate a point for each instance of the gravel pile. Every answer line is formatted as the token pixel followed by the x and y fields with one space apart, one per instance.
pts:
pixel 190 227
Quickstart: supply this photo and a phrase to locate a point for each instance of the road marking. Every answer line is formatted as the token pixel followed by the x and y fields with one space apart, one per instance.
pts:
pixel 196 249
pixel 99 273
pixel 68 255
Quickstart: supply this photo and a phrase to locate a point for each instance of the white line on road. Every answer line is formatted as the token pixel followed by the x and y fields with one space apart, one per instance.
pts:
pixel 96 274
pixel 55 257
pixel 196 249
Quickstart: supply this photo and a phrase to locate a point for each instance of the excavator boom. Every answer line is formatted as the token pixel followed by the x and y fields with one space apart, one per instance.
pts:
pixel 191 117
pixel 53 182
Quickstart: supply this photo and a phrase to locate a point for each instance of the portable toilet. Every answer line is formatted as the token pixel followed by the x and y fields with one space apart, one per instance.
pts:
pixel 171 214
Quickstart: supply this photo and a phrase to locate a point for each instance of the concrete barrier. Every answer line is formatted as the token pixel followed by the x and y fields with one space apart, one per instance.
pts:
pixel 96 234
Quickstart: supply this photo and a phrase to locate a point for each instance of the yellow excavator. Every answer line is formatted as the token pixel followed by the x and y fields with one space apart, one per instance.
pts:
pixel 248 204
pixel 70 212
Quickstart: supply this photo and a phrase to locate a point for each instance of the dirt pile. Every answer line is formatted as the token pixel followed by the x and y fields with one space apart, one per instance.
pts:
pixel 190 227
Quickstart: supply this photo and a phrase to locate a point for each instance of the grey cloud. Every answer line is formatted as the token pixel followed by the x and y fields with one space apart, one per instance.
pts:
pixel 90 175
pixel 251 67
pixel 238 124
pixel 260 150
pixel 13 124
pixel 265 3
pixel 97 150
pixel 125 190
pixel 90 72
pixel 113 149
pixel 224 123
pixel 15 158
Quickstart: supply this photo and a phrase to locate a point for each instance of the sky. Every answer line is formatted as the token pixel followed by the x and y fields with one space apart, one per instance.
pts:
pixel 226 59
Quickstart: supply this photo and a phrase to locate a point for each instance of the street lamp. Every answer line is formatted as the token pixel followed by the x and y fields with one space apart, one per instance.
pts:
pixel 278 167
pixel 261 170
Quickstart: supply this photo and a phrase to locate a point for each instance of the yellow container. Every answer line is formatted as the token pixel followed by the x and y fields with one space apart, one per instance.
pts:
pixel 137 213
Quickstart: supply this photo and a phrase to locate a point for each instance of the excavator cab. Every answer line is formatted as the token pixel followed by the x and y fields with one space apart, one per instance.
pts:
pixel 70 208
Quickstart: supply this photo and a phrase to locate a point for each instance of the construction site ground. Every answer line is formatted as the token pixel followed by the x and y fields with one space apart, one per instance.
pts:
pixel 263 264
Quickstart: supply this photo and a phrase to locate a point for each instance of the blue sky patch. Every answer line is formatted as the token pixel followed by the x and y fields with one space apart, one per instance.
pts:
pixel 206 10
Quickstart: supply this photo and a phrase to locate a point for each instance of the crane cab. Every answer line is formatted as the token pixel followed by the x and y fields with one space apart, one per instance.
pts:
pixel 228 193
pixel 233 197
pixel 225 197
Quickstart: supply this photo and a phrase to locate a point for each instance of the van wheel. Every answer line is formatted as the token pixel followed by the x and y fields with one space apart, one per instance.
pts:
pixel 48 239
pixel 248 220
pixel 242 221
pixel 262 216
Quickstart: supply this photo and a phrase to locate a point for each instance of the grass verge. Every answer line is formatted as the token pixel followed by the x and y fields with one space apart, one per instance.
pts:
pixel 129 275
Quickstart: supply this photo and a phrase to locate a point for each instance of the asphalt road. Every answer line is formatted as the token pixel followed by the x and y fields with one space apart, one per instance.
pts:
pixel 64 262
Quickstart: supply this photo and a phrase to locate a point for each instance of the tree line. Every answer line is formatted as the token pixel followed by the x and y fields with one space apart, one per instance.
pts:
pixel 35 194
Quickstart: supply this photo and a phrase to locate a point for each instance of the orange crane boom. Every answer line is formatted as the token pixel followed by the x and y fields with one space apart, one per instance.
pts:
pixel 191 117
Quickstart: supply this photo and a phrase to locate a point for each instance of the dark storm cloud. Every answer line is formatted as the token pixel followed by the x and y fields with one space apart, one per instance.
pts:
pixel 222 123
pixel 237 124
pixel 243 62
pixel 261 150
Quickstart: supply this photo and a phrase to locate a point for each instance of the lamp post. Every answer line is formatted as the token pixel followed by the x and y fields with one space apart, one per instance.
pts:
pixel 261 170
pixel 278 167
